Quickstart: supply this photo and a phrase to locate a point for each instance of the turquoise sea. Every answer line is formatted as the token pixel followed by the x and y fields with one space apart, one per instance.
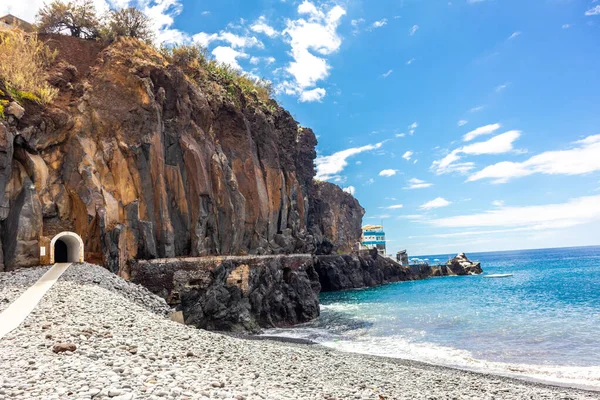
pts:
pixel 542 323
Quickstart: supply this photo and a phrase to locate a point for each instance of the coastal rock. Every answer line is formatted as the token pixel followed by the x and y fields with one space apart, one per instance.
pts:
pixel 341 272
pixel 240 294
pixel 461 265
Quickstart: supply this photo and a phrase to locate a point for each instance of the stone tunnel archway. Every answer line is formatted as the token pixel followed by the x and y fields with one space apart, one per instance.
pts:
pixel 66 247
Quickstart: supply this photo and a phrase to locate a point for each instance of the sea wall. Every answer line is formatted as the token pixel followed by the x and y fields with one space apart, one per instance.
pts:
pixel 240 294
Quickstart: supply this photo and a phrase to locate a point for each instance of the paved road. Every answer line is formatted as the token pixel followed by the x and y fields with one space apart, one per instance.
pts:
pixel 16 313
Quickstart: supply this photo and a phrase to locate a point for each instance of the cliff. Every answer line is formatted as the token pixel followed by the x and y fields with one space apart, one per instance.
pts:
pixel 143 162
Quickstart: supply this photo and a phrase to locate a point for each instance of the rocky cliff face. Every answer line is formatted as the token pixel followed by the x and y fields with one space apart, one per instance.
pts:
pixel 239 294
pixel 143 163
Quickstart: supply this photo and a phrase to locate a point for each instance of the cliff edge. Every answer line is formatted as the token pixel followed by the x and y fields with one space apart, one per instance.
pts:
pixel 144 162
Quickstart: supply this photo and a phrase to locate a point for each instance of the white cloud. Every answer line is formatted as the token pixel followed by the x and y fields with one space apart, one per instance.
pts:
pixel 593 11
pixel 308 96
pixel 228 55
pixel 400 134
pixel 314 34
pixel 514 35
pixel 394 207
pixel 435 203
pixel 482 130
pixel 205 13
pixel 462 122
pixel 499 144
pixel 261 26
pixel 476 109
pixel 566 26
pixel 498 203
pixel 379 24
pixel 414 125
pixel 388 172
pixel 500 88
pixel 350 189
pixel 415 183
pixel 204 39
pixel 410 61
pixel 475 1
pixel 574 212
pixel 387 73
pixel 581 159
pixel 413 30
pixel 407 155
pixel 334 164
pixel 238 41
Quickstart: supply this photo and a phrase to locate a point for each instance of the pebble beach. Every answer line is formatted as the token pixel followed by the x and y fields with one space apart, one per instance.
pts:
pixel 97 336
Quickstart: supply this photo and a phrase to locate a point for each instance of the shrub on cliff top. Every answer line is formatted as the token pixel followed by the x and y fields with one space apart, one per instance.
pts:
pixel 23 67
pixel 128 22
pixel 195 62
pixel 77 17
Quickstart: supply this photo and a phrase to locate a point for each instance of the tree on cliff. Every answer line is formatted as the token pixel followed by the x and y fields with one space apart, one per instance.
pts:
pixel 130 22
pixel 79 18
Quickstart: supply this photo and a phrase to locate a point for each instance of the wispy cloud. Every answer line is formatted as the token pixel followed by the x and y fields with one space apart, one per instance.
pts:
pixel 462 122
pixel 499 144
pixel 413 30
pixel 387 73
pixel 388 172
pixel 593 11
pixel 330 166
pixel 482 130
pixel 394 207
pixel 574 212
pixel 514 35
pixel 415 183
pixel 581 159
pixel 476 109
pixel 379 24
pixel 498 203
pixel 410 61
pixel 500 88
pixel 407 155
pixel 261 26
pixel 566 26
pixel 435 203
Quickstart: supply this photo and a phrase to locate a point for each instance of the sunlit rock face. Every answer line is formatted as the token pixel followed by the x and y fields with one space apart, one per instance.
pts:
pixel 143 163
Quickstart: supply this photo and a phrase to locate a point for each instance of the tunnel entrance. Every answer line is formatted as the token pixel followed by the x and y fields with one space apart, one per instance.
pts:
pixel 61 254
pixel 66 247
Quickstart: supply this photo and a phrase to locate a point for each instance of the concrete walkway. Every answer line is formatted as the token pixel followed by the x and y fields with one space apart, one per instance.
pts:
pixel 16 313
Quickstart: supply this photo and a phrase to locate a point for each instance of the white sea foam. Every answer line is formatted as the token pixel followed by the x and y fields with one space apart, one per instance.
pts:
pixel 401 347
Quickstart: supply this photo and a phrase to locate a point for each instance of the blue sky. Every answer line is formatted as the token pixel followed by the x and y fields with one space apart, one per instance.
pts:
pixel 468 125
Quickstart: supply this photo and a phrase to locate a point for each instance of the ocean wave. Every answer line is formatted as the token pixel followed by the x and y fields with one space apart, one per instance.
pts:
pixel 405 348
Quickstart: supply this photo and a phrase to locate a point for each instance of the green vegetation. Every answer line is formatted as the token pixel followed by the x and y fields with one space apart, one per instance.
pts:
pixel 80 19
pixel 23 67
pixel 198 66
pixel 128 22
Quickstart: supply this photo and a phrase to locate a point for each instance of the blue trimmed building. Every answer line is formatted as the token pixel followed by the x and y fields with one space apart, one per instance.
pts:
pixel 373 237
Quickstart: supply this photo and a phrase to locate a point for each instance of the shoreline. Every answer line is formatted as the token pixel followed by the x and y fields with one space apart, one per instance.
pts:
pixel 423 364
pixel 126 348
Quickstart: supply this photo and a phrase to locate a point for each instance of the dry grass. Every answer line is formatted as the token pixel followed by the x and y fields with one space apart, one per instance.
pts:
pixel 197 65
pixel 23 67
